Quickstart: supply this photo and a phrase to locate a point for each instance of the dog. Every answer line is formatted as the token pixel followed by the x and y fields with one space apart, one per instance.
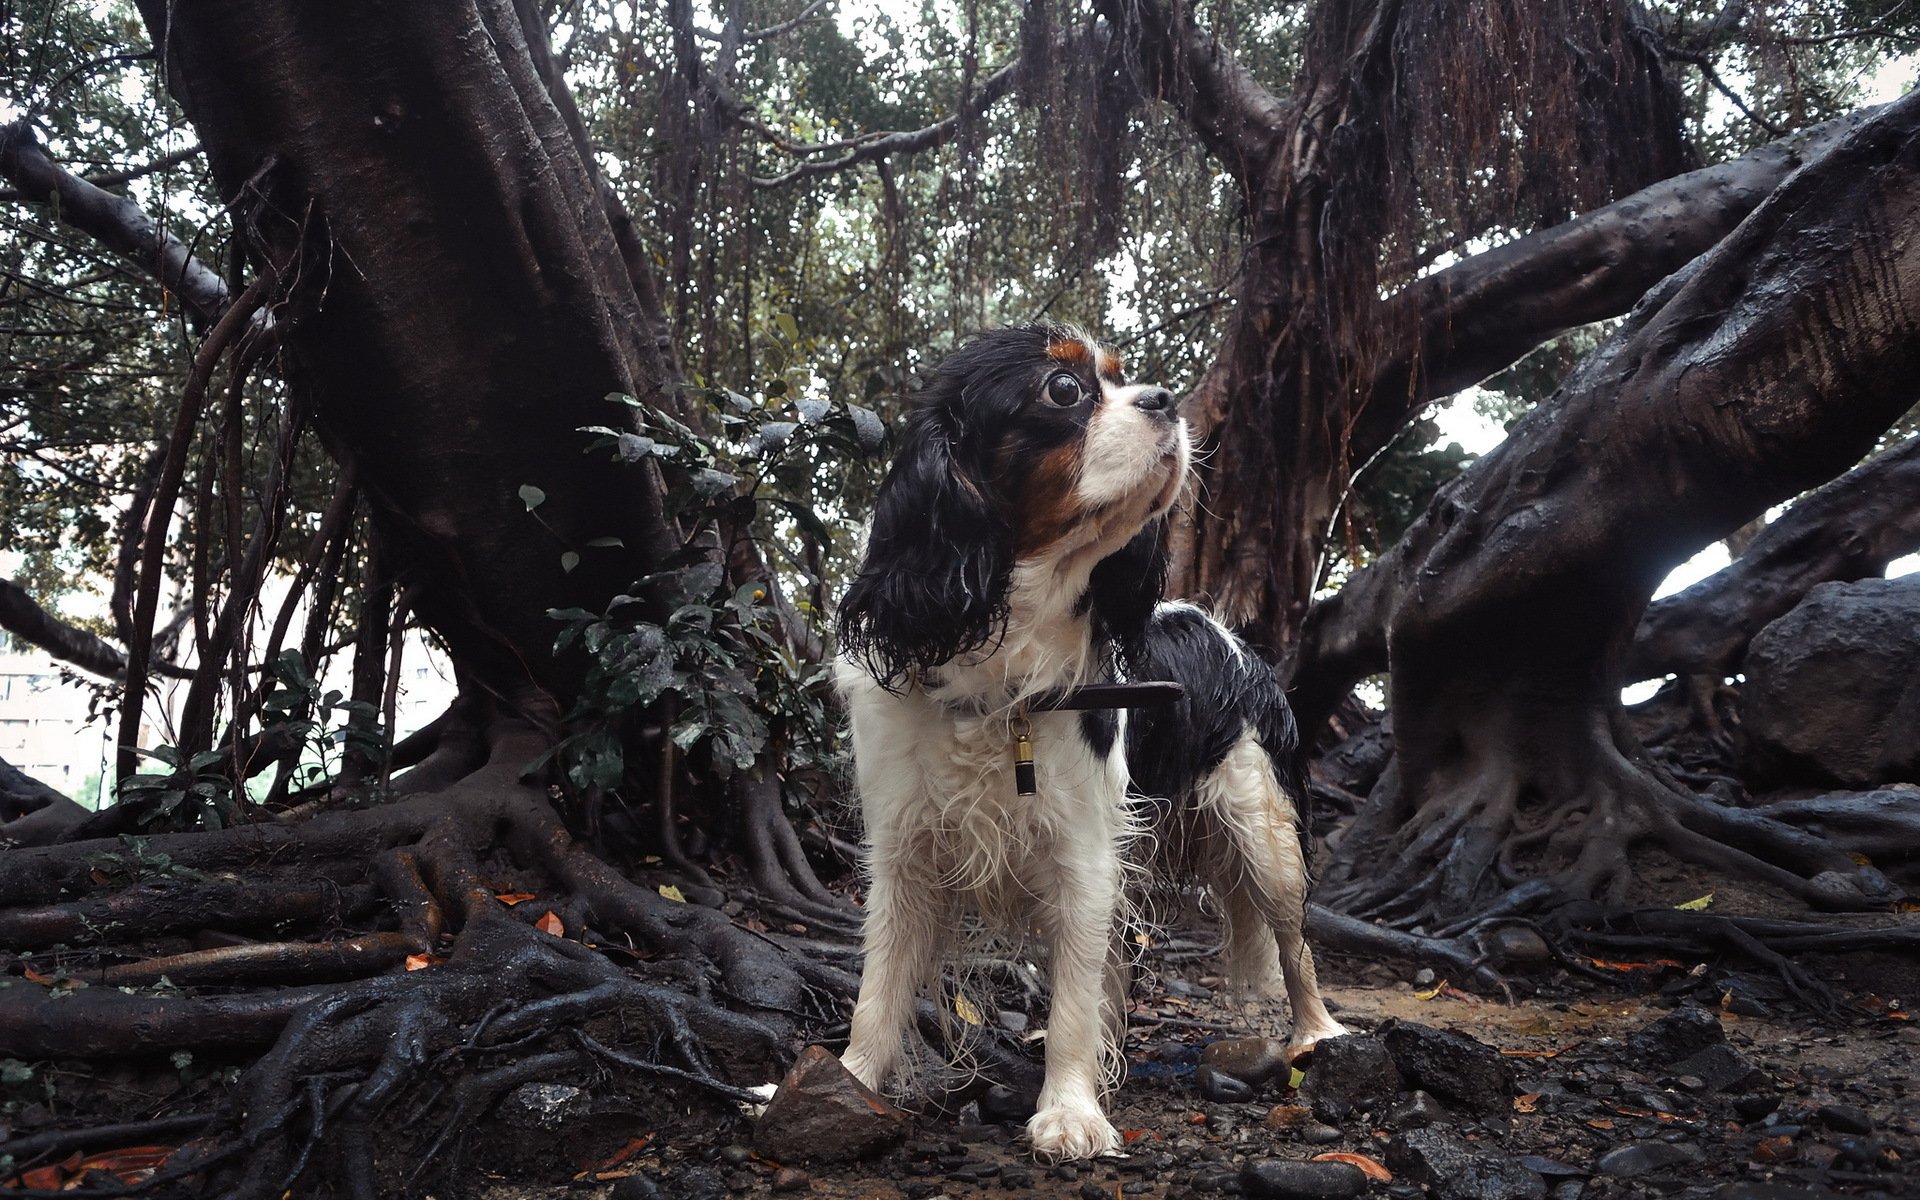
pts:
pixel 1015 552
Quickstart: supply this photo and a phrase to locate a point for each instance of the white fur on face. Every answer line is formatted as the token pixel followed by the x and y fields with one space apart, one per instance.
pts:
pixel 1128 453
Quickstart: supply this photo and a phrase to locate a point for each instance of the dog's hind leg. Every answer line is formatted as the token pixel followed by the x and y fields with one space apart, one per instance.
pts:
pixel 908 922
pixel 1260 878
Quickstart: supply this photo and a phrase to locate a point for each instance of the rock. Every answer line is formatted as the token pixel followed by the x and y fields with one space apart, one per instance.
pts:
pixel 1641 1158
pixel 1454 1170
pixel 1828 683
pixel 1349 1074
pixel 1003 1105
pixel 1220 1086
pixel 1016 1178
pixel 1684 1032
pixel 1213 1179
pixel 1316 1134
pixel 1013 1020
pixel 1517 945
pixel 1424 977
pixel 1416 1111
pixel 1253 1061
pixel 695 1183
pixel 791 1179
pixel 1452 1064
pixel 1755 1105
pixel 1093 1191
pixel 1721 1068
pixel 635 1187
pixel 1288 1116
pixel 1280 1179
pixel 545 1105
pixel 821 1113
pixel 1844 1118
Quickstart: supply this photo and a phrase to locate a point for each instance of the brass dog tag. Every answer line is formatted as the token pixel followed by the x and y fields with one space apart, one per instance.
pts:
pixel 1023 780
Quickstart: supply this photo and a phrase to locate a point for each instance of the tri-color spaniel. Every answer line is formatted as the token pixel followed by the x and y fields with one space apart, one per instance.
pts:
pixel 1015 555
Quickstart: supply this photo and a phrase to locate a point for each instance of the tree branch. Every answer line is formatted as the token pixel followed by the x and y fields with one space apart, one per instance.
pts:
pixel 26 620
pixel 1237 119
pixel 873 147
pixel 103 179
pixel 1482 315
pixel 1850 529
pixel 115 221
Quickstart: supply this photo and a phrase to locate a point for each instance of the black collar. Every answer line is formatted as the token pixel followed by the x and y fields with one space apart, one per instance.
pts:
pixel 1150 694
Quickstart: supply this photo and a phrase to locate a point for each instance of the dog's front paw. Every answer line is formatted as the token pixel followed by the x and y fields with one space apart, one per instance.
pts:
pixel 1064 1132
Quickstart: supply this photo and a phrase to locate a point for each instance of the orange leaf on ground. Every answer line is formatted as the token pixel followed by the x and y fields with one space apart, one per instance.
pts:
pixel 420 962
pixel 1130 1136
pixel 1601 1123
pixel 551 924
pixel 512 898
pixel 1526 1103
pixel 618 1157
pixel 34 976
pixel 1374 1170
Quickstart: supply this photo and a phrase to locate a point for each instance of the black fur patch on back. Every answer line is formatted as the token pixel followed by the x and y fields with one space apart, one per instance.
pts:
pixel 1099 726
pixel 1170 749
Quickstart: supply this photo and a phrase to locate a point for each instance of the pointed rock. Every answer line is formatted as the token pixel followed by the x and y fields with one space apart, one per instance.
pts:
pixel 821 1113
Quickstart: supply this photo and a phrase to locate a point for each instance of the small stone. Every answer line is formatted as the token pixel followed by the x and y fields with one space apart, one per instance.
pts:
pixel 791 1179
pixel 1452 1064
pixel 735 1156
pixel 545 1105
pixel 1015 1178
pixel 1316 1134
pixel 1220 1086
pixel 740 1181
pixel 1685 1031
pixel 1093 1191
pixel 1138 1187
pixel 1515 945
pixel 1417 1110
pixel 1454 1170
pixel 821 1113
pixel 1753 1189
pixel 1755 1105
pixel 1003 1105
pixel 1253 1061
pixel 1213 1179
pixel 635 1187
pixel 1641 1158
pixel 1013 1021
pixel 1064 1171
pixel 1280 1179
pixel 1721 1068
pixel 1349 1074
pixel 1844 1118
pixel 1424 977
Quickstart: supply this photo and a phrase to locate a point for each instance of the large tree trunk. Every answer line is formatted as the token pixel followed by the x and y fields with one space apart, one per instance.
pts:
pixel 1770 365
pixel 453 298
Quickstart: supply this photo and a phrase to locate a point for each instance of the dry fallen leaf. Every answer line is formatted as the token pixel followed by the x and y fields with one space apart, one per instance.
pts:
pixel 1374 1170
pixel 1526 1103
pixel 1430 993
pixel 551 924
pixel 1696 905
pixel 1600 1123
pixel 672 893
pixel 1129 1136
pixel 512 898
pixel 420 962
pixel 966 1011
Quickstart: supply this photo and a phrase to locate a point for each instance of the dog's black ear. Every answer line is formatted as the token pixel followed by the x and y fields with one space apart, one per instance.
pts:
pixel 1127 584
pixel 933 584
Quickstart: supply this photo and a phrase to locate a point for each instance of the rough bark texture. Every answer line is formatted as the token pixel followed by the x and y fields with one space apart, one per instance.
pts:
pixel 436 229
pixel 1302 392
pixel 1850 529
pixel 1769 365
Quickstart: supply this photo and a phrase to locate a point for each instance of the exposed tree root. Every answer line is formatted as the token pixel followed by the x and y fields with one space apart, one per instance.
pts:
pixel 1528 832
pixel 697 1000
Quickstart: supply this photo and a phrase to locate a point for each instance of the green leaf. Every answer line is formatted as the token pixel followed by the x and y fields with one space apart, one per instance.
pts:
pixel 708 482
pixel 603 542
pixel 775 434
pixel 569 561
pixel 813 411
pixel 631 447
pixel 532 496
pixel 788 328
pixel 867 427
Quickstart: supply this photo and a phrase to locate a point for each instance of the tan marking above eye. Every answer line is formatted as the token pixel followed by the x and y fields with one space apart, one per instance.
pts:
pixel 1112 367
pixel 1075 352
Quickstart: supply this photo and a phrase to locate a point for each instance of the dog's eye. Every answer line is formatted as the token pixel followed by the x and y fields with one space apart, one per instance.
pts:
pixel 1064 390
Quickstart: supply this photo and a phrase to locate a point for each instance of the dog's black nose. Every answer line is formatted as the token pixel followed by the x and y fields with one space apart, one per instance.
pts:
pixel 1156 400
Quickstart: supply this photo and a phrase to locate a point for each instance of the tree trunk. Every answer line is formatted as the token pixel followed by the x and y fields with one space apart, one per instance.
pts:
pixel 452 295
pixel 1770 365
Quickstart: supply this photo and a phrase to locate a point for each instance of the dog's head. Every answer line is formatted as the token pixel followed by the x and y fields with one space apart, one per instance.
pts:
pixel 1028 447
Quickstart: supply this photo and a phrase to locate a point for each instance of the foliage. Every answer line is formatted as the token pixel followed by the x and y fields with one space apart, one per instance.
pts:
pixel 734 678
